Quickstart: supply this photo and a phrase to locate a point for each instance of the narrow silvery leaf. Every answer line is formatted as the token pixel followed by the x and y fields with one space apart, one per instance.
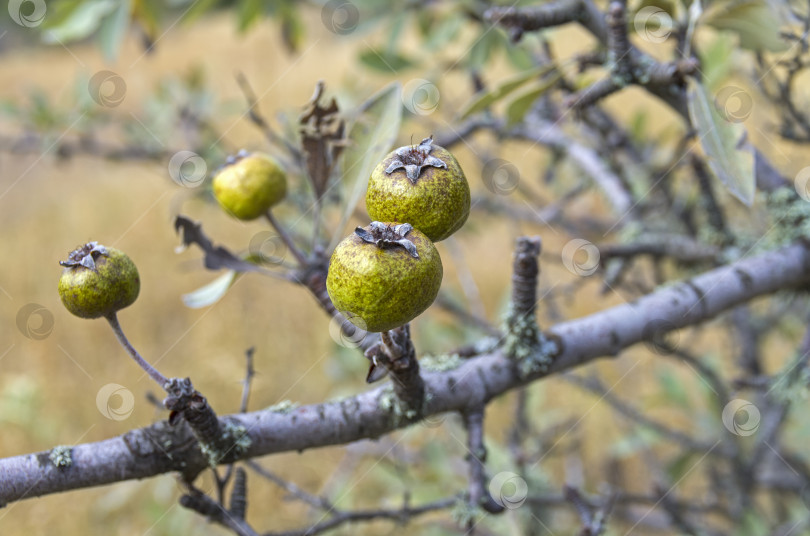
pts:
pixel 728 152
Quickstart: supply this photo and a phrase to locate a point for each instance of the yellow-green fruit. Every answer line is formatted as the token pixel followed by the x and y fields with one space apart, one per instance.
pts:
pixel 422 185
pixel 250 185
pixel 98 281
pixel 376 280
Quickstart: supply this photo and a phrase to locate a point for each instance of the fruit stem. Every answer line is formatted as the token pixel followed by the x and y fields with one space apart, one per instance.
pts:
pixel 286 238
pixel 119 333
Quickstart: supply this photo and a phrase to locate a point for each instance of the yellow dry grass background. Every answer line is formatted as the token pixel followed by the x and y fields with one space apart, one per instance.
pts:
pixel 48 388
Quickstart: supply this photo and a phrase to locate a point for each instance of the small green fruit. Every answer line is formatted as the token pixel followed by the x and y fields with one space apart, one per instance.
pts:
pixel 422 185
pixel 98 281
pixel 249 185
pixel 384 275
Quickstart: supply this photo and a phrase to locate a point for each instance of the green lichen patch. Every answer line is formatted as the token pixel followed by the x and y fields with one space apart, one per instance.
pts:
pixel 61 456
pixel 235 442
pixel 527 345
pixel 464 513
pixel 283 407
pixel 440 363
pixel 791 216
pixel 399 411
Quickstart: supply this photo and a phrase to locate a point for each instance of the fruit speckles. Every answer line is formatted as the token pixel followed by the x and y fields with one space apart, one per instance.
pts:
pixel 422 185
pixel 249 185
pixel 98 281
pixel 379 286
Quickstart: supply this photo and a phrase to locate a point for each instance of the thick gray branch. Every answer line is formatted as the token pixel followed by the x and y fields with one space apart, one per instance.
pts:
pixel 154 450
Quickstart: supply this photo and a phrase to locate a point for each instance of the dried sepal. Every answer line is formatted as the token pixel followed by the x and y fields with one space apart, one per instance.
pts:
pixel 384 236
pixel 85 256
pixel 413 159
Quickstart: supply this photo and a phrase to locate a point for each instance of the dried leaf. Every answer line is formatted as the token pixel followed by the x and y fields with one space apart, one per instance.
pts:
pixel 322 137
pixel 216 257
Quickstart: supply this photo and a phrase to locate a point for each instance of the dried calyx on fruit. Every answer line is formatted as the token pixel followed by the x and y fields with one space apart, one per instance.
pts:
pixel 384 236
pixel 98 281
pixel 422 185
pixel 384 275
pixel 413 158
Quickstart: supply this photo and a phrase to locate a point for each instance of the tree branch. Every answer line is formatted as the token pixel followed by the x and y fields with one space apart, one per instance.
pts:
pixel 159 448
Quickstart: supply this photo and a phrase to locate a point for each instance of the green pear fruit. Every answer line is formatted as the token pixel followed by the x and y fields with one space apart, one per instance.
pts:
pixel 98 281
pixel 249 185
pixel 384 275
pixel 422 185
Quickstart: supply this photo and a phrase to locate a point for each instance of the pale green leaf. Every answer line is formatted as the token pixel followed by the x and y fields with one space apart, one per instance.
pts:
pixel 487 98
pixel 80 23
pixel 482 48
pixel 197 9
pixel 248 13
pixel 729 154
pixel 695 11
pixel 715 60
pixel 212 292
pixel 370 138
pixel 113 30
pixel 520 106
pixel 754 21
pixel 385 61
